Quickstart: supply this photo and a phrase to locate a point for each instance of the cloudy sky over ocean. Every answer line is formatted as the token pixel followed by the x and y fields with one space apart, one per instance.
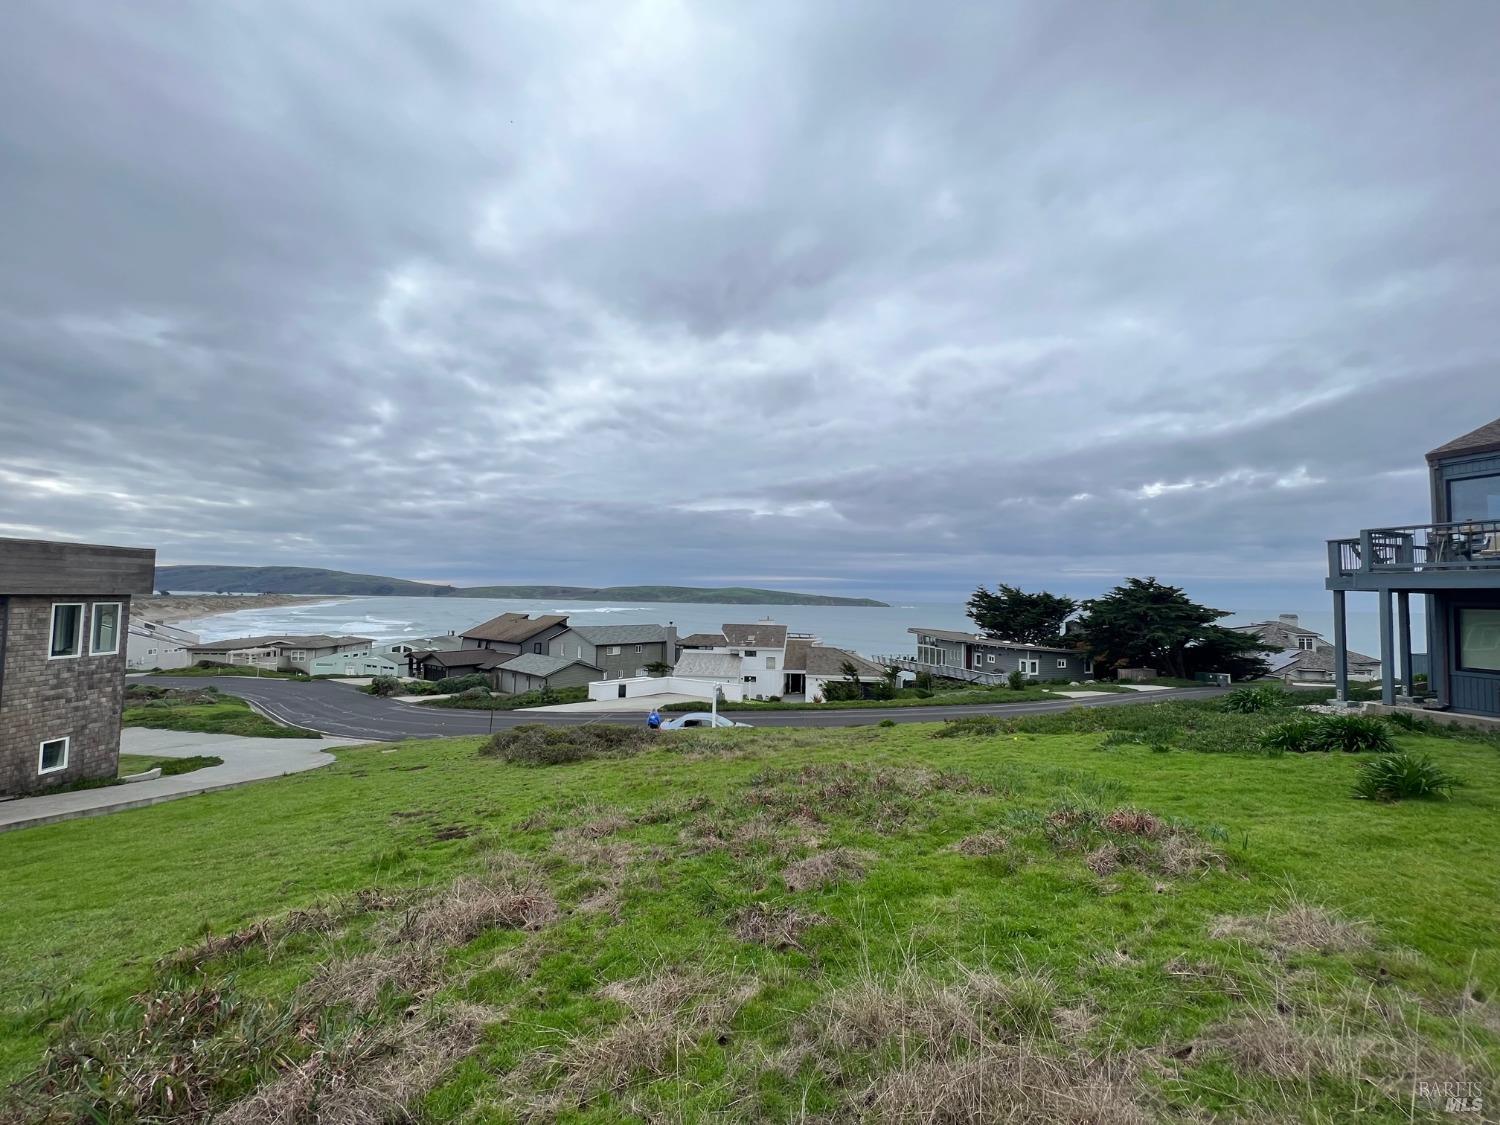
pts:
pixel 872 298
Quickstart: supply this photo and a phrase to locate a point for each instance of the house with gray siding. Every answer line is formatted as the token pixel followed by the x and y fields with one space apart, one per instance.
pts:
pixel 1304 656
pixel 150 644
pixel 537 672
pixel 975 657
pixel 515 633
pixel 1452 564
pixel 619 651
pixel 281 652
pixel 448 663
pixel 64 612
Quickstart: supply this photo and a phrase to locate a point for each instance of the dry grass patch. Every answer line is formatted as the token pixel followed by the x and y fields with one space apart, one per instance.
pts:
pixel 1297 927
pixel 836 865
pixel 359 982
pixel 776 927
pixel 981 844
pixel 469 907
pixel 374 1078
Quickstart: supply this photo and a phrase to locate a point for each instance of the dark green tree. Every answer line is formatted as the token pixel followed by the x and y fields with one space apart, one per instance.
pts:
pixel 1146 624
pixel 1011 614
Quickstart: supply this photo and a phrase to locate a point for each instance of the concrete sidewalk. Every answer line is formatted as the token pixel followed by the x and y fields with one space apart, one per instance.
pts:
pixel 245 760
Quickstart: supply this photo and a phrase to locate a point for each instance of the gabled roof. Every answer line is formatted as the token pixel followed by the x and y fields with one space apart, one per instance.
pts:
pixel 762 634
pixel 701 665
pixel 986 642
pixel 539 664
pixel 824 660
pixel 1278 633
pixel 703 640
pixel 1321 660
pixel 513 627
pixel 279 640
pixel 481 658
pixel 623 634
pixel 1486 439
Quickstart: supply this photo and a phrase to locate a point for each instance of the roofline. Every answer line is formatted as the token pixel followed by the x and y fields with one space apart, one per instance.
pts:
pixel 974 638
pixel 1436 456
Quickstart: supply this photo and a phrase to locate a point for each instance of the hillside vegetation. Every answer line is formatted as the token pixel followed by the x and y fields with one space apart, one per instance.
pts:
pixel 312 580
pixel 1043 920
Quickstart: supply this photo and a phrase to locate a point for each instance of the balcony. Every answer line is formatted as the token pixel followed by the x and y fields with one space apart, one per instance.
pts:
pixel 1418 557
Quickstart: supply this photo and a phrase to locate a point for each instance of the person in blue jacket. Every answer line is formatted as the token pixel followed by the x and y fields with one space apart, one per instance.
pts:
pixel 653 720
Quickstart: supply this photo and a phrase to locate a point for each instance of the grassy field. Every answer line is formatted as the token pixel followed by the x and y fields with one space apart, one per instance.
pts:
pixel 215 714
pixel 1081 917
pixel 170 767
pixel 233 670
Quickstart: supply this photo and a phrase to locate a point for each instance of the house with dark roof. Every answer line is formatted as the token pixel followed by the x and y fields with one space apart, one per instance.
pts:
pixel 1452 564
pixel 810 665
pixel 442 664
pixel 618 651
pixel 1304 656
pixel 515 633
pixel 539 672
pixel 702 640
pixel 981 659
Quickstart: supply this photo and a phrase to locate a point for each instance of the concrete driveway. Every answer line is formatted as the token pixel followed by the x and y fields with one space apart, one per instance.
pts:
pixel 245 760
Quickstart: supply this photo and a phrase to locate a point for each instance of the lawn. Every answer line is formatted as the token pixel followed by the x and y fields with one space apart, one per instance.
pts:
pixel 1035 919
pixel 905 698
pixel 233 670
pixel 205 711
pixel 170 767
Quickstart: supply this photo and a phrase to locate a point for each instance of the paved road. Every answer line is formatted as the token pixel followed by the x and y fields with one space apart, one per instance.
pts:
pixel 340 710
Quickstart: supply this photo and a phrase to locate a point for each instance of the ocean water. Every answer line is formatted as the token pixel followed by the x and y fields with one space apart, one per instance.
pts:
pixel 867 630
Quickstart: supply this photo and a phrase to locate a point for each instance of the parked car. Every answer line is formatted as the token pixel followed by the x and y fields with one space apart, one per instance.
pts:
pixel 699 719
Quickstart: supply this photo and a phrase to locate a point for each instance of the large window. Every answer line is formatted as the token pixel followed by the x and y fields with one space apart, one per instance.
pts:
pixel 1474 498
pixel 931 654
pixel 53 756
pixel 1479 640
pixel 67 630
pixel 104 634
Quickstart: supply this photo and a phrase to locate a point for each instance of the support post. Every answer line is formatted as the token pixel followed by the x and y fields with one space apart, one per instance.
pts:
pixel 1340 649
pixel 1387 652
pixel 1403 625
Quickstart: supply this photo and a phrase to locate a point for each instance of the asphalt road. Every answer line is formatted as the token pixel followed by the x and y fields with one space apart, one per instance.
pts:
pixel 340 710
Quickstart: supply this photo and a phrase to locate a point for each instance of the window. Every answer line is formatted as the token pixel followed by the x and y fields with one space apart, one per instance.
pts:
pixel 771 663
pixel 1474 498
pixel 104 635
pixel 978 659
pixel 1307 643
pixel 1028 667
pixel 67 630
pixel 931 654
pixel 750 652
pixel 297 654
pixel 748 679
pixel 992 658
pixel 639 649
pixel 613 650
pixel 53 756
pixel 1479 640
pixel 536 647
pixel 1062 661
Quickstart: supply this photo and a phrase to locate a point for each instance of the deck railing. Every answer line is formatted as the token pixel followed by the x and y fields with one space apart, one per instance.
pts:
pixel 950 671
pixel 1417 547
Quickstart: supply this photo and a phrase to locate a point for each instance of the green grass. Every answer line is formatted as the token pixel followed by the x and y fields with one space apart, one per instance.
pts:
pixel 960 868
pixel 233 670
pixel 226 715
pixel 170 767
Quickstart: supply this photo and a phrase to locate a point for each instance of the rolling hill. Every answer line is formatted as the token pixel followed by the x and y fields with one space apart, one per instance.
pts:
pixel 314 580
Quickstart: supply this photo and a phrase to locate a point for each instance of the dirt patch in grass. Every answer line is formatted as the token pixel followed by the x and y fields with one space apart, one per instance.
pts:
pixel 836 865
pixel 452 832
pixel 1296 927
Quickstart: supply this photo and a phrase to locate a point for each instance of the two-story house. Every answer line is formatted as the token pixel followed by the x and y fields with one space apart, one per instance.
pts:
pixel 150 644
pixel 1304 656
pixel 973 656
pixel 64 611
pixel 1452 563
pixel 514 633
pixel 619 651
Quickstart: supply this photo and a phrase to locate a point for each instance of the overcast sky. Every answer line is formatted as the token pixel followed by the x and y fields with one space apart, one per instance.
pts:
pixel 863 297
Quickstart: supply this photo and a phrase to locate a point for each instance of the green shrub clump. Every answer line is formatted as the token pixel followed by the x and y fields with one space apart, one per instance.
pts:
pixel 384 685
pixel 1016 680
pixel 1351 734
pixel 971 726
pixel 1394 777
pixel 1249 700
pixel 454 685
pixel 534 744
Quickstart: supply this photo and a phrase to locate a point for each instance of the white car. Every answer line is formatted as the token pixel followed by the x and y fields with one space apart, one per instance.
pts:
pixel 699 719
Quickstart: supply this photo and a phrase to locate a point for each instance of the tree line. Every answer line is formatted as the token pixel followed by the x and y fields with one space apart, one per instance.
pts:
pixel 1141 623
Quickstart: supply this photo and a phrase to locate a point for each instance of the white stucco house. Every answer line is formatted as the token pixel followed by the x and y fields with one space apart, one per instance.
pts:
pixel 151 645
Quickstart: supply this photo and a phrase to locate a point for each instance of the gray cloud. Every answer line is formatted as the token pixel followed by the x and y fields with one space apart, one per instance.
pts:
pixel 833 295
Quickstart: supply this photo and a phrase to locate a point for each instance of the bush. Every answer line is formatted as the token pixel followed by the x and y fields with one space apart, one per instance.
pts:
pixel 421 687
pixel 836 691
pixel 883 690
pixel 1016 680
pixel 922 692
pixel 923 682
pixel 534 744
pixel 886 723
pixel 453 685
pixel 970 726
pixel 1249 700
pixel 474 693
pixel 1393 777
pixel 1352 734
pixel 384 685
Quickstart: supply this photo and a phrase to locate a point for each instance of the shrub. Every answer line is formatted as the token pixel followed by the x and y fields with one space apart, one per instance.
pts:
pixel 1016 680
pixel 923 682
pixel 883 690
pixel 887 723
pixel 1355 734
pixel 474 693
pixel 1295 736
pixel 1393 777
pixel 384 685
pixel 837 691
pixel 970 726
pixel 534 744
pixel 453 685
pixel 1249 700
pixel 420 687
pixel 922 692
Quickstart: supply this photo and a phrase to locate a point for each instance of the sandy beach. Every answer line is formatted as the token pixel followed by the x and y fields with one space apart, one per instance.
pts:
pixel 186 607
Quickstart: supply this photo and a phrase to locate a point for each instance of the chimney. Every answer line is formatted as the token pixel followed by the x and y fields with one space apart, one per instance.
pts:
pixel 1289 619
